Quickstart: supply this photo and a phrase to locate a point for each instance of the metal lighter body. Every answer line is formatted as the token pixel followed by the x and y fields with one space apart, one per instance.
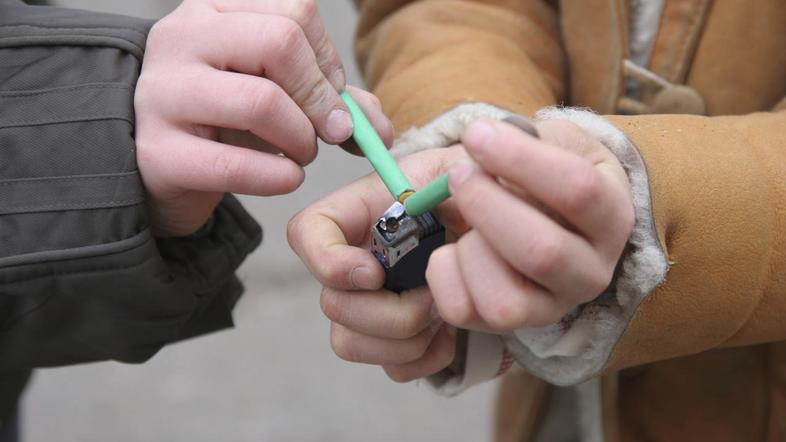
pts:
pixel 403 245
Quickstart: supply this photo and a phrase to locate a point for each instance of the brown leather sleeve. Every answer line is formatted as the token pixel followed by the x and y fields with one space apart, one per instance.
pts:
pixel 424 57
pixel 718 188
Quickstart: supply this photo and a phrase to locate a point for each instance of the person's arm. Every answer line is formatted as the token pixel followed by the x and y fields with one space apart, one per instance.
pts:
pixel 118 231
pixel 423 58
pixel 81 276
pixel 580 346
pixel 718 197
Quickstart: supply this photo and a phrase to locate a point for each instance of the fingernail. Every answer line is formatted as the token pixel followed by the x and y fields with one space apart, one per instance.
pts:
pixel 362 278
pixel 460 173
pixel 525 124
pixel 479 135
pixel 338 79
pixel 339 126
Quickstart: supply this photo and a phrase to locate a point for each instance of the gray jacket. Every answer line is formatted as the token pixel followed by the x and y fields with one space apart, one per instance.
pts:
pixel 81 276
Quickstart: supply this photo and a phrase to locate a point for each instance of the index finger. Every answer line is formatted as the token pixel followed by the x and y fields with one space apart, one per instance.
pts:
pixel 331 236
pixel 306 14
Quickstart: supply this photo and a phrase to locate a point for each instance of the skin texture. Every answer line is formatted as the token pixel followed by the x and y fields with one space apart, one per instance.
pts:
pixel 232 97
pixel 540 226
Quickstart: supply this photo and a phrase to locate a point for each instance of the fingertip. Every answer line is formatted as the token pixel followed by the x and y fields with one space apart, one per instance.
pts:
pixel 372 108
pixel 387 132
pixel 479 135
pixel 291 180
pixel 367 278
pixel 338 126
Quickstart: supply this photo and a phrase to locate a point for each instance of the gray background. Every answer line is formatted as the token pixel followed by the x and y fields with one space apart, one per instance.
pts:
pixel 274 377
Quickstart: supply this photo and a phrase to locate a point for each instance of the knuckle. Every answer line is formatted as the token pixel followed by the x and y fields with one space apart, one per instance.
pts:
pixel 419 346
pixel 311 93
pixel 162 28
pixel 544 256
pixel 257 102
pixel 343 347
pixel 226 167
pixel 294 229
pixel 458 312
pixel 584 189
pixel 409 323
pixel 290 38
pixel 303 11
pixel 290 181
pixel 505 316
pixel 331 306
pixel 398 375
pixel 331 274
pixel 597 284
pixel 597 279
pixel 368 97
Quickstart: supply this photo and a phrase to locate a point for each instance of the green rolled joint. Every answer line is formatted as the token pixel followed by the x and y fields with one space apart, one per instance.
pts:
pixel 429 197
pixel 375 150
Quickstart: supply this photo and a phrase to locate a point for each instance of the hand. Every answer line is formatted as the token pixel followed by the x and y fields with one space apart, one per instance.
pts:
pixel 549 220
pixel 231 98
pixel 403 333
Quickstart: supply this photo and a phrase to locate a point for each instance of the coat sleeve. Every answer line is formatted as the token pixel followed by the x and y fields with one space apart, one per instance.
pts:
pixel 704 267
pixel 81 276
pixel 424 57
pixel 718 190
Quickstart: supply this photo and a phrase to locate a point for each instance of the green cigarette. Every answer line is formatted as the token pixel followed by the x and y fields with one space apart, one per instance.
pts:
pixel 375 150
pixel 429 197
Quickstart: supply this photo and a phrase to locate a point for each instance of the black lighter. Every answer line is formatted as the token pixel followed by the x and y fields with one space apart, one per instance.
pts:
pixel 403 244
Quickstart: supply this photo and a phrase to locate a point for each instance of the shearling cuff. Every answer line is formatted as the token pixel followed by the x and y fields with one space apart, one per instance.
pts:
pixel 445 130
pixel 578 347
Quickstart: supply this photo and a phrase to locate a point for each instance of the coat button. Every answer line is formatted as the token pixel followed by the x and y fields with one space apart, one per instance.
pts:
pixel 678 99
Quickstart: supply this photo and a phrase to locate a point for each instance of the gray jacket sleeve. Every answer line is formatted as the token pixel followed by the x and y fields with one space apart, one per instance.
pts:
pixel 81 276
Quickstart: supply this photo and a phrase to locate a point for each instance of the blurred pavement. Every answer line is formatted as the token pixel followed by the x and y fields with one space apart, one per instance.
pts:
pixel 274 377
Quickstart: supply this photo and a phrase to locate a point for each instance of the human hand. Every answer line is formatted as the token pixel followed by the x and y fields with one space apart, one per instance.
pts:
pixel 403 333
pixel 231 98
pixel 549 220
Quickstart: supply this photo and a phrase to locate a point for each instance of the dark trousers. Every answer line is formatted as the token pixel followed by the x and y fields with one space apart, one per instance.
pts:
pixel 9 432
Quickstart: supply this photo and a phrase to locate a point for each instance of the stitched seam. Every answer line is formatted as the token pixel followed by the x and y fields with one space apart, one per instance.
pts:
pixel 48 40
pixel 63 179
pixel 77 205
pixel 80 28
pixel 90 270
pixel 87 41
pixel 687 41
pixel 86 118
pixel 39 92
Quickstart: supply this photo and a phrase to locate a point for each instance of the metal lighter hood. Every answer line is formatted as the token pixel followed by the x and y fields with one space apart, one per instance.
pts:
pixel 403 244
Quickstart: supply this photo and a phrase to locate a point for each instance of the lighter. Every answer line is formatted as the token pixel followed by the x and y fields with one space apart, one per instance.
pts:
pixel 404 236
pixel 403 244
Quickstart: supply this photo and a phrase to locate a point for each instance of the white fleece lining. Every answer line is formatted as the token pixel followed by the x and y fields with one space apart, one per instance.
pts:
pixel 577 348
pixel 445 130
